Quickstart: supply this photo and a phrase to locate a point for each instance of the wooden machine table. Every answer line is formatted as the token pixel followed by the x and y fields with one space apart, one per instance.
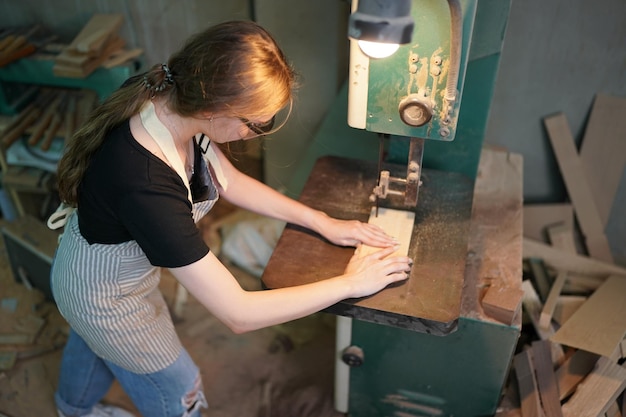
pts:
pixel 430 300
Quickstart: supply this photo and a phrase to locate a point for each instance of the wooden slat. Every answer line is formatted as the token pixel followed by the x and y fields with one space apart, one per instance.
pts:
pixel 562 260
pixel 578 187
pixel 598 391
pixel 573 370
pixel 532 306
pixel 93 36
pixel 613 411
pixel 599 325
pixel 548 307
pixel 537 217
pixel 603 151
pixel 561 237
pixel 566 306
pixel 528 392
pixel 546 379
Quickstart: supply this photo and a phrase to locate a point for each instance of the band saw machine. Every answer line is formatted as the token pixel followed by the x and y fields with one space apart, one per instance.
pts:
pixel 415 127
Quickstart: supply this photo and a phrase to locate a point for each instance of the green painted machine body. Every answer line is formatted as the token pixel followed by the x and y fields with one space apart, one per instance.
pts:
pixel 420 71
pixel 404 372
pixel 416 374
pixel 411 373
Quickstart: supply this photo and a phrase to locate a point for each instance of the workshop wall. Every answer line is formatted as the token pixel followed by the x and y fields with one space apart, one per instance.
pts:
pixel 157 26
pixel 557 56
pixel 312 34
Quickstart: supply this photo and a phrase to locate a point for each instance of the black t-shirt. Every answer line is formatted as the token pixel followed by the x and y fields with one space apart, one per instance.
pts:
pixel 127 193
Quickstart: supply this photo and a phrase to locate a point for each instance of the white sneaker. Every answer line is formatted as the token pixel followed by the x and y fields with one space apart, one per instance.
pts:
pixel 102 410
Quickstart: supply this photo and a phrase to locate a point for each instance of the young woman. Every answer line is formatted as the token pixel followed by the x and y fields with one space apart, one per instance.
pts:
pixel 141 171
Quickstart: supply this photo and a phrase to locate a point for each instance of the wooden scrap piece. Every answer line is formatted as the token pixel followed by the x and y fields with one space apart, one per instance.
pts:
pixel 546 379
pixel 540 277
pixel 566 306
pixel 574 370
pixel 93 45
pixel 121 56
pixel 598 391
pixel 93 37
pixel 538 217
pixel 532 306
pixel 578 187
pixel 613 410
pixel 503 303
pixel 528 392
pixel 603 151
pixel 86 67
pixel 562 260
pixel 561 237
pixel 551 300
pixel 599 325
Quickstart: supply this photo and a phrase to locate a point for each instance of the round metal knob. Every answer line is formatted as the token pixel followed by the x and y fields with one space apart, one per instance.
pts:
pixel 414 111
pixel 352 356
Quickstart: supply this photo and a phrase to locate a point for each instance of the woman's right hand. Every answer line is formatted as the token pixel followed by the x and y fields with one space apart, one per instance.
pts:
pixel 371 273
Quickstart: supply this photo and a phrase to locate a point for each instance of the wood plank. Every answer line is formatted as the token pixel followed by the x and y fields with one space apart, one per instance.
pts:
pixel 599 325
pixel 546 379
pixel 561 237
pixel 537 217
pixel 532 306
pixel 528 392
pixel 562 260
pixel 396 223
pixel 503 303
pixel 61 69
pixel 573 370
pixel 566 306
pixel 600 388
pixel 613 410
pixel 499 267
pixel 94 35
pixel 540 278
pixel 577 187
pixel 548 307
pixel 122 56
pixel 603 151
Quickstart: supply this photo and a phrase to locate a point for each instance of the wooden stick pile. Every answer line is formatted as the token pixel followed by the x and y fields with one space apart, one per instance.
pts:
pixel 53 112
pixel 575 297
pixel 97 44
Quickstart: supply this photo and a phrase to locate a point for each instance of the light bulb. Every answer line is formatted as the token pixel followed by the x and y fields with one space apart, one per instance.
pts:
pixel 378 49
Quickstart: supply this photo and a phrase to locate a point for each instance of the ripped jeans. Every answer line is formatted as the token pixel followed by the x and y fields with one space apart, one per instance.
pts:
pixel 175 391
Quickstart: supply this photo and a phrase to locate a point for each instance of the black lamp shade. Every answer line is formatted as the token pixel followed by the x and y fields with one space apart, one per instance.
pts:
pixel 384 21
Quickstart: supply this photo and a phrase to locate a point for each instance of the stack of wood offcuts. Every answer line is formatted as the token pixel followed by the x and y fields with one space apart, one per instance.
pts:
pixel 574 294
pixel 51 113
pixel 97 44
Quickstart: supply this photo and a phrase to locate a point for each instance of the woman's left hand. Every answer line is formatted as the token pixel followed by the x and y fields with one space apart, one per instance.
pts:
pixel 354 232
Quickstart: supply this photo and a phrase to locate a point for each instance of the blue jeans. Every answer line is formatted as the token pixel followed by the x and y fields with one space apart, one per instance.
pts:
pixel 175 391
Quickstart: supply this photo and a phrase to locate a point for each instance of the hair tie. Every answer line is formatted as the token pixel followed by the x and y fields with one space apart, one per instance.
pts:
pixel 168 74
pixel 157 88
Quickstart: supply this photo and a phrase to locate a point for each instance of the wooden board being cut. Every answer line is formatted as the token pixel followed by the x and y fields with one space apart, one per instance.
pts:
pixel 598 326
pixel 396 223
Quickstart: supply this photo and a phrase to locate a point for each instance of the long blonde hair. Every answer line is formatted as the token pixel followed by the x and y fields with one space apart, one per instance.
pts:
pixel 236 68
